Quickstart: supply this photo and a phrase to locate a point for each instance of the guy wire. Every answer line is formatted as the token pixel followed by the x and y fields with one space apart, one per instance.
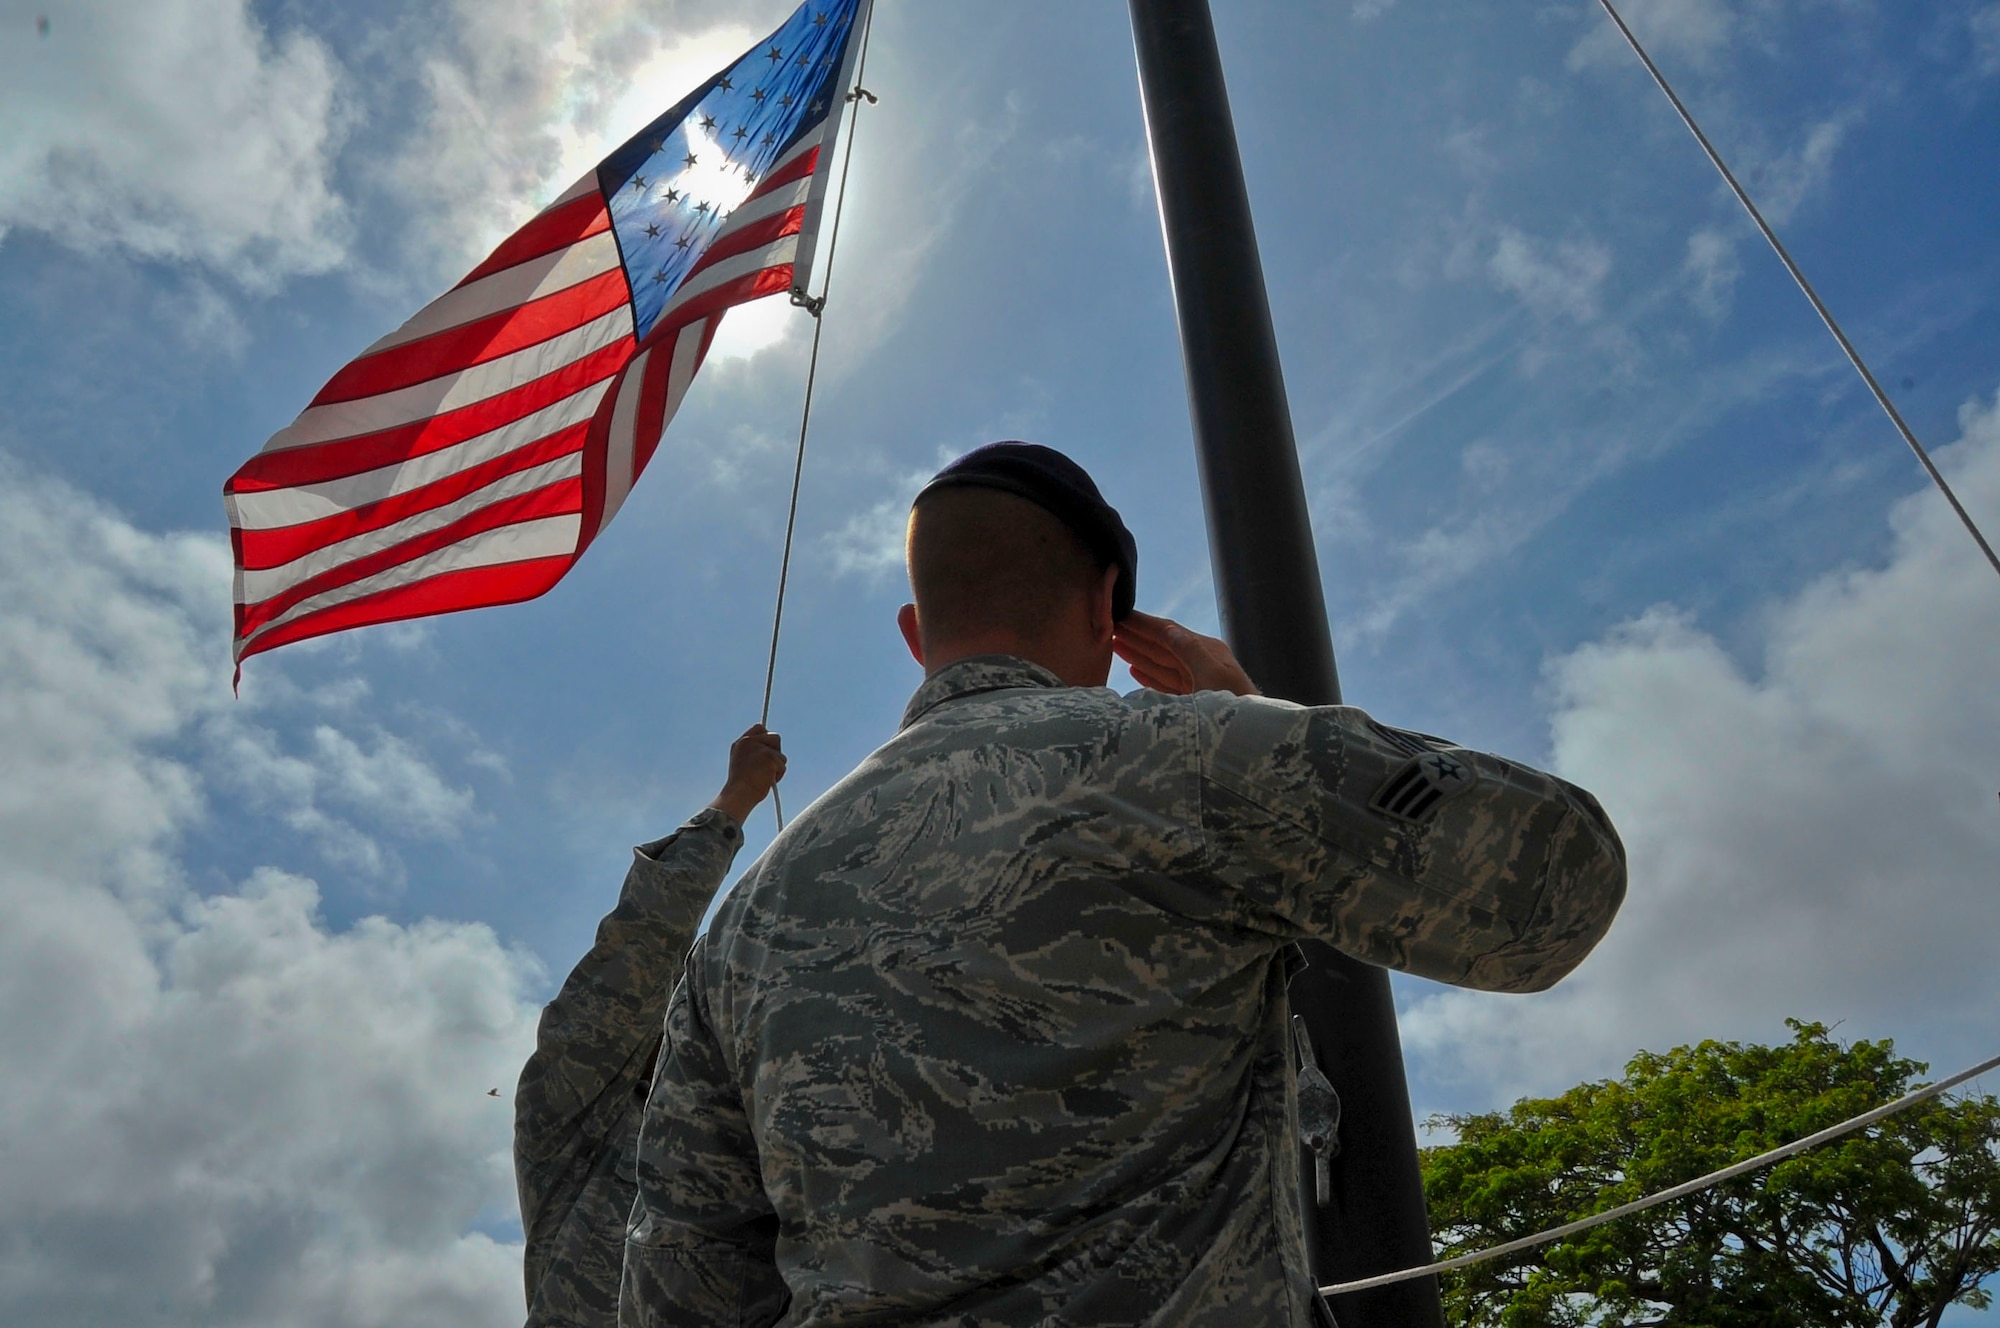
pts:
pixel 1819 306
pixel 857 95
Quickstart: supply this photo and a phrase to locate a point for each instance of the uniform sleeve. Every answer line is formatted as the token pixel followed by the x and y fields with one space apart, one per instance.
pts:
pixel 1401 849
pixel 597 1036
pixel 700 1252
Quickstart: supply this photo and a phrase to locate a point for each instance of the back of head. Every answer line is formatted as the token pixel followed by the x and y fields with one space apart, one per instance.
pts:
pixel 986 564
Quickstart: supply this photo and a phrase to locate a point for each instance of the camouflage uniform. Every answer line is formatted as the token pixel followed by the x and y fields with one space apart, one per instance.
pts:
pixel 995 1033
pixel 576 1112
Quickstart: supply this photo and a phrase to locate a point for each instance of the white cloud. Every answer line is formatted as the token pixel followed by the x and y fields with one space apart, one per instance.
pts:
pixel 1815 838
pixel 1562 278
pixel 1785 184
pixel 759 325
pixel 524 98
pixel 1985 24
pixel 174 129
pixel 871 543
pixel 218 1110
pixel 1692 30
pixel 1712 268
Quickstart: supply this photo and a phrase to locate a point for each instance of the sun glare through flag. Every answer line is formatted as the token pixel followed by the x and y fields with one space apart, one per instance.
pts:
pixel 469 457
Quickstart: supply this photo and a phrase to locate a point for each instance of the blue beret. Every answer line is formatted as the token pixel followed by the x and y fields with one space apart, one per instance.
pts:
pixel 1050 480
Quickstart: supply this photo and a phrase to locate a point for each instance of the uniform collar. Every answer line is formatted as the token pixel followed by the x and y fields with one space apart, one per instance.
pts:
pixel 974 674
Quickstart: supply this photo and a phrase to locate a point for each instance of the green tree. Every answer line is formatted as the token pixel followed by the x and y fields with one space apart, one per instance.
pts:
pixel 1889 1226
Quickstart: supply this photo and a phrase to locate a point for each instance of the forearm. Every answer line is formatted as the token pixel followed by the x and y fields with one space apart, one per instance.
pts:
pixel 1453 865
pixel 598 1030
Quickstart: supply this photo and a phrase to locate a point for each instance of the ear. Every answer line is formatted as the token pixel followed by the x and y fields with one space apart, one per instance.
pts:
pixel 1101 600
pixel 906 621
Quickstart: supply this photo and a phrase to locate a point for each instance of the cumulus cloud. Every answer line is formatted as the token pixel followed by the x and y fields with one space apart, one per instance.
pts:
pixel 218 1110
pixel 1813 836
pixel 524 98
pixel 175 129
pixel 1559 279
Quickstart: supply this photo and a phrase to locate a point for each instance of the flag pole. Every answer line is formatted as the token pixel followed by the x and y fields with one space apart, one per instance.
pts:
pixel 1274 616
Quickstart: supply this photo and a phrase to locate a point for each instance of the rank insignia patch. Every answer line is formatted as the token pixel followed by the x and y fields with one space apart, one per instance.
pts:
pixel 1415 791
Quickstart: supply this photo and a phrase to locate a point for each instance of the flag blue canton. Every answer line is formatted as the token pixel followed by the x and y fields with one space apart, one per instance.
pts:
pixel 671 186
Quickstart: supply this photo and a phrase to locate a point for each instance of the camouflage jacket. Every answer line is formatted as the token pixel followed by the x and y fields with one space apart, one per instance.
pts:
pixel 995 1032
pixel 576 1112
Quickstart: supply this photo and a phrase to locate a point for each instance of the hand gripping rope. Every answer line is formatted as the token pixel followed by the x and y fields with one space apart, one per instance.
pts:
pixel 814 306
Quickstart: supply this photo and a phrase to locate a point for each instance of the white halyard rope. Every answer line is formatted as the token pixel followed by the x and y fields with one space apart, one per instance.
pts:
pixel 1765 1159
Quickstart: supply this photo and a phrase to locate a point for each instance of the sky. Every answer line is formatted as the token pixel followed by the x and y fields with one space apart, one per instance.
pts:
pixel 1590 485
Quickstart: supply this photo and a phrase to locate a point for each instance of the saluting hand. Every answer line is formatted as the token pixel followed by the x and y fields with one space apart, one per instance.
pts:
pixel 1167 657
pixel 756 763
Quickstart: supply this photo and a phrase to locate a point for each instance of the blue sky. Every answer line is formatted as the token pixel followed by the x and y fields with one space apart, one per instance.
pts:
pixel 1591 487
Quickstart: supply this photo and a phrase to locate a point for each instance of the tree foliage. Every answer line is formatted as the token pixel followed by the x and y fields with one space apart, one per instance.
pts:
pixel 1889 1226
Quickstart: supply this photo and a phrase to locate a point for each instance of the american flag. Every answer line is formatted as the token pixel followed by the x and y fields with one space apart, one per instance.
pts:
pixel 471 456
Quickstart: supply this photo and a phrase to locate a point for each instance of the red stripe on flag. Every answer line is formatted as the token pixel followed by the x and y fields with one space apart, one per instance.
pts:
pixel 257 550
pixel 758 233
pixel 796 169
pixel 645 445
pixel 447 592
pixel 489 338
pixel 558 499
pixel 320 462
pixel 738 290
pixel 555 229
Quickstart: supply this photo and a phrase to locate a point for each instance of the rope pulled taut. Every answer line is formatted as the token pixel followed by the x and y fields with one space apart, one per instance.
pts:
pixel 814 305
pixel 1682 1190
pixel 1819 305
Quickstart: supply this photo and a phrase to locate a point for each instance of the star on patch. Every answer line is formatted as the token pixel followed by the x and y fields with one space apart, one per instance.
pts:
pixel 819 20
pixel 758 95
pixel 683 242
pixel 1445 768
pixel 690 159
pixel 774 54
pixel 785 100
pixel 639 183
pixel 652 231
pixel 726 85
pixel 708 122
pixel 673 195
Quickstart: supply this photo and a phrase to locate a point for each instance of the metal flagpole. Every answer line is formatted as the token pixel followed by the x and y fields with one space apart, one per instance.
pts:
pixel 1274 617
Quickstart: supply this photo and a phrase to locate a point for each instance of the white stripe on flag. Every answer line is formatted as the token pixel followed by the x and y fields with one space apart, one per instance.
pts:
pixel 274 509
pixel 623 435
pixel 547 537
pixel 257 586
pixel 584 185
pixel 687 351
pixel 507 289
pixel 775 254
pixel 782 199
pixel 421 401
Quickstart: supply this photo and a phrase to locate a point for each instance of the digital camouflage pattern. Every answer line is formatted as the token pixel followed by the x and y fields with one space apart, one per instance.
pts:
pixel 996 1032
pixel 577 1110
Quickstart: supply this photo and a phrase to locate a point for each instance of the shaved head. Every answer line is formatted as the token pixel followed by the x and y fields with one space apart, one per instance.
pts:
pixel 985 563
